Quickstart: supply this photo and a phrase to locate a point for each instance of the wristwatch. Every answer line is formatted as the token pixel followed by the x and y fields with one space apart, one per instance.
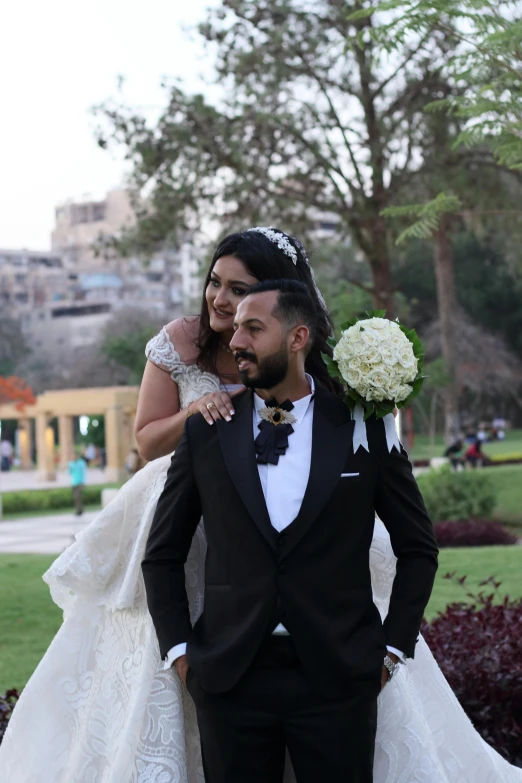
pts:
pixel 391 666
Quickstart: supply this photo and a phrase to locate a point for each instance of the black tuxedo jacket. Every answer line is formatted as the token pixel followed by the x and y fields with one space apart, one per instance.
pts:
pixel 316 571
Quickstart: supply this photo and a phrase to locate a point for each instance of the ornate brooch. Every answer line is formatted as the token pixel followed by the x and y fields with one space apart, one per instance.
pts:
pixel 276 416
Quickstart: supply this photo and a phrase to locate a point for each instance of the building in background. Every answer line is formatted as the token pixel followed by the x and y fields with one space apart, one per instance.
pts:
pixel 80 224
pixel 64 297
pixel 29 279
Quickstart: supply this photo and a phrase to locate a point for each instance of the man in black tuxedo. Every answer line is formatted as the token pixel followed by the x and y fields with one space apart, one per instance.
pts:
pixel 290 647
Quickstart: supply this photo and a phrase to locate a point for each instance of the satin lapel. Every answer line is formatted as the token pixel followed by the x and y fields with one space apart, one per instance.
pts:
pixel 237 445
pixel 331 444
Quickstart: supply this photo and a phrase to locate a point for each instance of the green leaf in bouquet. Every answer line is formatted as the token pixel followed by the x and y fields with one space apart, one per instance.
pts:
pixel 349 402
pixel 347 324
pixel 331 366
pixel 370 410
pixel 416 386
pixel 355 396
pixel 376 313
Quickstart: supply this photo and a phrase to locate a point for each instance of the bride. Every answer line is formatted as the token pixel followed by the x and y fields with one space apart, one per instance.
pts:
pixel 100 707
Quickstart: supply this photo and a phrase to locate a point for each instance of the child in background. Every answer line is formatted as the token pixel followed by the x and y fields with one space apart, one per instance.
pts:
pixel 77 472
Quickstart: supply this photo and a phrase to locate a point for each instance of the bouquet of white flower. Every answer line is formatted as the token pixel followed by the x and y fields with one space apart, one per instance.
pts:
pixel 380 363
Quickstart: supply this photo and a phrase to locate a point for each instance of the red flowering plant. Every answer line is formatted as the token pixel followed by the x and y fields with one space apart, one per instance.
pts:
pixel 478 646
pixel 475 532
pixel 7 705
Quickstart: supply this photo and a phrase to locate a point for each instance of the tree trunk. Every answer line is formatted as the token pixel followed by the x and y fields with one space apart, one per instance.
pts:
pixel 447 305
pixel 380 269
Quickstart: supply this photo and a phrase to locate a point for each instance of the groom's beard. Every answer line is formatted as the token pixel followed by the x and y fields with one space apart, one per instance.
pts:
pixel 271 371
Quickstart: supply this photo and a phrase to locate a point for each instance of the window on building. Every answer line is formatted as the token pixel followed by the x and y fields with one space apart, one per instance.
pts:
pixel 98 211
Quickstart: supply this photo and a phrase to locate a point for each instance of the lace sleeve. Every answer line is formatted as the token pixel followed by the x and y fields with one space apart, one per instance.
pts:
pixel 161 352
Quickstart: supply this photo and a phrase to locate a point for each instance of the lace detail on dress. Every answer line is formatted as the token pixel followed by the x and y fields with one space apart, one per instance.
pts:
pixel 161 352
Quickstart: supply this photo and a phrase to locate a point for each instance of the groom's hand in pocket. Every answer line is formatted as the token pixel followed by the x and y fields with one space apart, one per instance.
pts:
pixel 182 667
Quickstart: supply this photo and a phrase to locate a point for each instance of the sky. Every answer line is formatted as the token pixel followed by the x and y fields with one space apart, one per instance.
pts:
pixel 57 60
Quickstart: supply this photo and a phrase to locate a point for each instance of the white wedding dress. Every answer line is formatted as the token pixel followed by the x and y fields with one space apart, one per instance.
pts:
pixel 100 709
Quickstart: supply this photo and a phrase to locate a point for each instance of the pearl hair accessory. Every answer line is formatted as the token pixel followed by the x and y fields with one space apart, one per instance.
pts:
pixel 279 239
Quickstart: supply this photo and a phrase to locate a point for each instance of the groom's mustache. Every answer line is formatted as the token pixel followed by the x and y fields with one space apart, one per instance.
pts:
pixel 250 357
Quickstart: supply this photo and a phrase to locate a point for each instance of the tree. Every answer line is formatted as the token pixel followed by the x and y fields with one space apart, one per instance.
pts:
pixel 13 346
pixel 487 55
pixel 313 115
pixel 124 338
pixel 482 104
pixel 14 389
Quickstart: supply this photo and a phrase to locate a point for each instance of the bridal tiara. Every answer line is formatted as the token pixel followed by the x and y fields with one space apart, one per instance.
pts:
pixel 279 239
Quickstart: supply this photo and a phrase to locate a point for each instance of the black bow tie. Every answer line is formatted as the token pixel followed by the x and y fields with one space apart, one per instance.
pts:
pixel 272 440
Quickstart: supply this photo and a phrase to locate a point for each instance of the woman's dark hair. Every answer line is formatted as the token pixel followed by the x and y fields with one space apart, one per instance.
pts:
pixel 264 260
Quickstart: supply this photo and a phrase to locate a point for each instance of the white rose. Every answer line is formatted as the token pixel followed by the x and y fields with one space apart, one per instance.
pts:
pixel 377 381
pixel 388 353
pixel 376 394
pixel 393 388
pixel 372 355
pixel 406 357
pixel 354 363
pixel 403 393
pixel 353 378
pixel 377 323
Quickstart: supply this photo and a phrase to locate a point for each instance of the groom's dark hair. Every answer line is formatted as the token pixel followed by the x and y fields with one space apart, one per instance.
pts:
pixel 294 304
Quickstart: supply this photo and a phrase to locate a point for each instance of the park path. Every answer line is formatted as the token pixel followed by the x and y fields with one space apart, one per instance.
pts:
pixel 18 480
pixel 44 535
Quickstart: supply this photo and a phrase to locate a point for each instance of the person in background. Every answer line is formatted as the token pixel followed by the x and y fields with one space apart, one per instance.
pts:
pixel 454 453
pixel 90 453
pixel 6 455
pixel 482 434
pixel 77 472
pixel 474 454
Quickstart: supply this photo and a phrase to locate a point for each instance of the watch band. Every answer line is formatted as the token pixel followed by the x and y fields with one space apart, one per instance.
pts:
pixel 390 665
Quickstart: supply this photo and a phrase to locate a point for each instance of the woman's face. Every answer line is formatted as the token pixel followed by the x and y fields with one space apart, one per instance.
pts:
pixel 229 281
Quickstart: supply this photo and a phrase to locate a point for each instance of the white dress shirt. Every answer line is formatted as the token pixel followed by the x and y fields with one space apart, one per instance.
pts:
pixel 284 485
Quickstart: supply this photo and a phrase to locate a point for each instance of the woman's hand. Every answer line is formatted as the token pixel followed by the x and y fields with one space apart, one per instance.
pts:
pixel 217 405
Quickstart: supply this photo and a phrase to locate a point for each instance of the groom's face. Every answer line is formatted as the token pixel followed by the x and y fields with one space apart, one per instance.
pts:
pixel 259 342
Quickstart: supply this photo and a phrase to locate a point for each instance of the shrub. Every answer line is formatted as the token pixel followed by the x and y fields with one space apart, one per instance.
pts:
pixel 49 499
pixel 7 705
pixel 476 532
pixel 465 495
pixel 479 649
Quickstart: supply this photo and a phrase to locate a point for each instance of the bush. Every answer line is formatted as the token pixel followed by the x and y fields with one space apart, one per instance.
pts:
pixel 479 649
pixel 7 705
pixel 465 495
pixel 49 499
pixel 476 532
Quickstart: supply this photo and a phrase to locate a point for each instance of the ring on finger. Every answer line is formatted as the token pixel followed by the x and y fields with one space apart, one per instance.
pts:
pixel 210 405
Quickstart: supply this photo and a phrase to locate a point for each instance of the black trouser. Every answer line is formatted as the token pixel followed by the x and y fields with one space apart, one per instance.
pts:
pixel 244 732
pixel 77 498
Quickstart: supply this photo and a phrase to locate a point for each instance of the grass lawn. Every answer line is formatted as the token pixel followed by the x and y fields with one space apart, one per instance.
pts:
pixel 423 450
pixel 29 619
pixel 49 512
pixel 477 563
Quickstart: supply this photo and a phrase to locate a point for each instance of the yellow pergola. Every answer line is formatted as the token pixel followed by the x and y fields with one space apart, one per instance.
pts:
pixel 117 404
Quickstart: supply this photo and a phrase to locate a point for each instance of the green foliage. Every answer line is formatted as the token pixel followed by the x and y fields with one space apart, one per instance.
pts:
pixel 428 216
pixel 95 432
pixel 489 285
pixel 454 496
pixel 485 60
pixel 49 499
pixel 124 339
pixel 315 116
